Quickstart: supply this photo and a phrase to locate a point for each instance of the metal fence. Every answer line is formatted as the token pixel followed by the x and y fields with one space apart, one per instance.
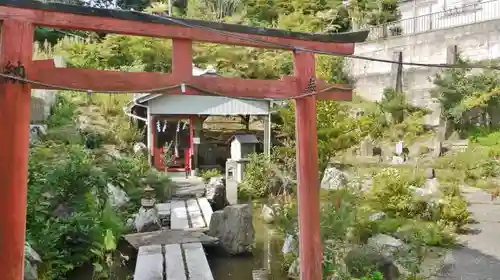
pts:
pixel 462 15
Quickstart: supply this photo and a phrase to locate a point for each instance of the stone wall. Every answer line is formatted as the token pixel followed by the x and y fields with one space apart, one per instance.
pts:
pixel 479 41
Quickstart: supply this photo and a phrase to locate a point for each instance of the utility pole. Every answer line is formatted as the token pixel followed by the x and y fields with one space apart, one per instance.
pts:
pixel 170 8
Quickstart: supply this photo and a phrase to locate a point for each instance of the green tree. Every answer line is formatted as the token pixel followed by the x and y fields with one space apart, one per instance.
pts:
pixel 467 97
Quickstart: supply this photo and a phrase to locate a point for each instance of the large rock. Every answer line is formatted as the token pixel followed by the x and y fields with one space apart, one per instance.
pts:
pixel 333 179
pixel 117 197
pixel 386 244
pixel 294 270
pixel 234 228
pixel 36 131
pixel 31 261
pixel 147 220
pixel 365 260
pixel 267 214
pixel 215 191
pixel 140 148
pixel 430 191
pixel 290 245
pixel 396 160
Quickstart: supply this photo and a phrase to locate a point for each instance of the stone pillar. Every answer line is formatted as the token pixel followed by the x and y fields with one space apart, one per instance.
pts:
pixel 267 135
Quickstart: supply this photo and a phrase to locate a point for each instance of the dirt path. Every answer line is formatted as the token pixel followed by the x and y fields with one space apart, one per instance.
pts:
pixel 479 257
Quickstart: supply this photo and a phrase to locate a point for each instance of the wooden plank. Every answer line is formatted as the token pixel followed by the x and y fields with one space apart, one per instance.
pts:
pixel 149 264
pixel 196 260
pixel 179 216
pixel 174 263
pixel 197 220
pixel 139 81
pixel 206 209
pixel 194 212
pixel 170 236
pixel 91 79
pixel 192 205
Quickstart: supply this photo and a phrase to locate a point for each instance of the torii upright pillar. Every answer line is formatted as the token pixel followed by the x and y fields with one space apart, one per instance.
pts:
pixel 310 248
pixel 16 47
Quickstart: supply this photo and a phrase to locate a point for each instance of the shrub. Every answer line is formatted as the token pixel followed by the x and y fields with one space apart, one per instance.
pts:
pixel 469 166
pixel 258 177
pixel 207 174
pixel 67 202
pixel 392 194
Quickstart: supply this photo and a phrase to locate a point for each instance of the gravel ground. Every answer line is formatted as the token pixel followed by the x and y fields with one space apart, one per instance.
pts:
pixel 479 257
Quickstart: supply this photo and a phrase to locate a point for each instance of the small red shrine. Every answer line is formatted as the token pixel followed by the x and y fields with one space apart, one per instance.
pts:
pixel 174 126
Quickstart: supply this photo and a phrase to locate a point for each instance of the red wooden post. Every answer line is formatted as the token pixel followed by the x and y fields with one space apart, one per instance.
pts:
pixel 16 45
pixel 182 59
pixel 310 249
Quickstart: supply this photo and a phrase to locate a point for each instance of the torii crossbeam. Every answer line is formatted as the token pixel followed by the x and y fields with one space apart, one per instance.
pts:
pixel 20 17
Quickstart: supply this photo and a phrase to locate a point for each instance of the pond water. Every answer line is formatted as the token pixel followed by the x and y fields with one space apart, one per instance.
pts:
pixel 265 255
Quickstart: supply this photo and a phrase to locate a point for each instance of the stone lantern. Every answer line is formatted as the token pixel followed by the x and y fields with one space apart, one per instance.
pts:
pixel 148 200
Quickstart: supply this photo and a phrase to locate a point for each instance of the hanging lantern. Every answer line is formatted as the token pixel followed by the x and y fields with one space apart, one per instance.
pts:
pixel 148 200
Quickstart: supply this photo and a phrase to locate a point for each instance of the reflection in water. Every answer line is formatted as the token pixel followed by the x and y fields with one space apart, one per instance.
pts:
pixel 266 255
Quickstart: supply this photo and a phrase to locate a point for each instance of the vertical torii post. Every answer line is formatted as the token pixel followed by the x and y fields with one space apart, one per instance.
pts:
pixel 310 248
pixel 16 47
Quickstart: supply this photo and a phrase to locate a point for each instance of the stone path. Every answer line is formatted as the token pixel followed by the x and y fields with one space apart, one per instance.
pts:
pixel 479 257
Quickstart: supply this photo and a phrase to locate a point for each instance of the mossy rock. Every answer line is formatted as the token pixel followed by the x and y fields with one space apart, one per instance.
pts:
pixel 363 261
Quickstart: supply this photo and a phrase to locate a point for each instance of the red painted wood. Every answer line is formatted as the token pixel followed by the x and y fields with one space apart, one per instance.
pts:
pixel 136 82
pixel 100 24
pixel 43 64
pixel 16 45
pixel 182 58
pixel 310 249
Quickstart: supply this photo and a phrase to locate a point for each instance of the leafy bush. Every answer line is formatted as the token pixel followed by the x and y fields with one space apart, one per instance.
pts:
pixel 258 177
pixel 207 174
pixel 67 204
pixel 473 164
pixel 392 194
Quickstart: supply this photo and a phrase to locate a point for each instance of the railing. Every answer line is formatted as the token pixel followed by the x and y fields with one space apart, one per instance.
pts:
pixel 463 15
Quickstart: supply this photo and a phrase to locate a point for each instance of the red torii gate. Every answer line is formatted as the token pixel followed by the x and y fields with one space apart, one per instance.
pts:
pixel 20 17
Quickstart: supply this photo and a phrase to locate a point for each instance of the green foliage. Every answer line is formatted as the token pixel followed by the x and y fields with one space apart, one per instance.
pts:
pixel 473 164
pixel 468 98
pixel 394 103
pixel 207 174
pixel 66 198
pixel 366 12
pixel 257 180
pixel 336 130
pixel 70 220
pixel 347 223
pixel 391 193
pixel 65 113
